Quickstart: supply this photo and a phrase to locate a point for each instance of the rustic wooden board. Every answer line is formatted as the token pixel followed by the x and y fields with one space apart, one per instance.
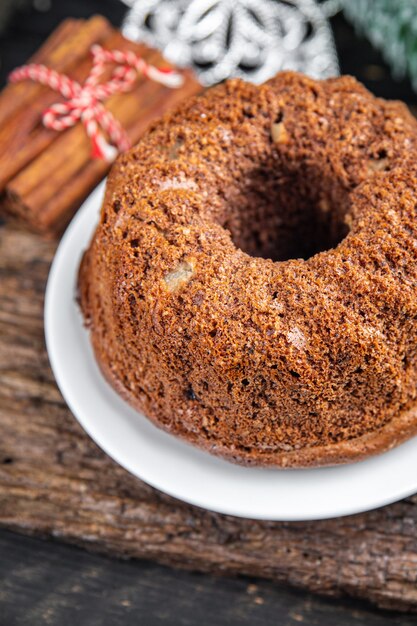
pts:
pixel 60 585
pixel 54 481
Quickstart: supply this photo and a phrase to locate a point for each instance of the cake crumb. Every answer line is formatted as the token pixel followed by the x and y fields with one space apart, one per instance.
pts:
pixel 179 276
pixel 279 133
pixel 177 183
pixel 297 338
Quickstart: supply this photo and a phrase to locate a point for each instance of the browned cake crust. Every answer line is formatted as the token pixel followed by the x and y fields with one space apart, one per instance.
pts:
pixel 251 286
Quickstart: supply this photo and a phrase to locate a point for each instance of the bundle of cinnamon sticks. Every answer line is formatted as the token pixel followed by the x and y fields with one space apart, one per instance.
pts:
pixel 46 174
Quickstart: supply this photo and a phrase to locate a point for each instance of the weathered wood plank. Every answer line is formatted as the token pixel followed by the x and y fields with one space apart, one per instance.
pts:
pixel 54 481
pixel 90 589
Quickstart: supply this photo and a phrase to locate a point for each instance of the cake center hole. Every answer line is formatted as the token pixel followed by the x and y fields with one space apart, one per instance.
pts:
pixel 284 218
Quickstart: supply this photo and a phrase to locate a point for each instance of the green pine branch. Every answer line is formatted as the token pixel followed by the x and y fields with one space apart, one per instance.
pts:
pixel 391 26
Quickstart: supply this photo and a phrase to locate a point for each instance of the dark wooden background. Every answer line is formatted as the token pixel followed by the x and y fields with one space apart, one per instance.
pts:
pixel 43 582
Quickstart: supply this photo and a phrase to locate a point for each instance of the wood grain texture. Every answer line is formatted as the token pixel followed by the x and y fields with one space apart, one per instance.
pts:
pixel 56 585
pixel 54 481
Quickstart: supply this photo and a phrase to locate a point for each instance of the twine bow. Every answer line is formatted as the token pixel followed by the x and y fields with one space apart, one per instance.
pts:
pixel 84 102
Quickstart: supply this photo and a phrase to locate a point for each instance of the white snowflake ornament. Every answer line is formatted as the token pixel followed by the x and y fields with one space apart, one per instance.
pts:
pixel 251 39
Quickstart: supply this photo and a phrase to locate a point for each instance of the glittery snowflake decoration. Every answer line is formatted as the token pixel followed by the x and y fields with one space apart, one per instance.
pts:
pixel 252 39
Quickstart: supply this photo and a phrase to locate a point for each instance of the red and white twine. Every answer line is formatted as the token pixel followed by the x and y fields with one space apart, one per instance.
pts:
pixel 84 102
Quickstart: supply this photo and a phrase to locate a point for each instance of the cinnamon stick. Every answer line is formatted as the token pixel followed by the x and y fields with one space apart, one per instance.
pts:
pixel 22 136
pixel 74 142
pixel 60 207
pixel 14 96
pixel 46 202
pixel 67 48
pixel 50 172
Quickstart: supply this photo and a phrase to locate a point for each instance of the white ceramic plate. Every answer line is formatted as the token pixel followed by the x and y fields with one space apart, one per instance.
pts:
pixel 175 467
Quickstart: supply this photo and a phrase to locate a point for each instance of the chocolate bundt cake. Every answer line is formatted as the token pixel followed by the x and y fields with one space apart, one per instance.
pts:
pixel 251 285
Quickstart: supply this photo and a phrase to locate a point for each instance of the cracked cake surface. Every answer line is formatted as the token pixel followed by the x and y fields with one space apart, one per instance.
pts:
pixel 251 285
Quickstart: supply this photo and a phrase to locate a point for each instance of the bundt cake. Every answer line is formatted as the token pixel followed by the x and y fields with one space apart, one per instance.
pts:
pixel 251 285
